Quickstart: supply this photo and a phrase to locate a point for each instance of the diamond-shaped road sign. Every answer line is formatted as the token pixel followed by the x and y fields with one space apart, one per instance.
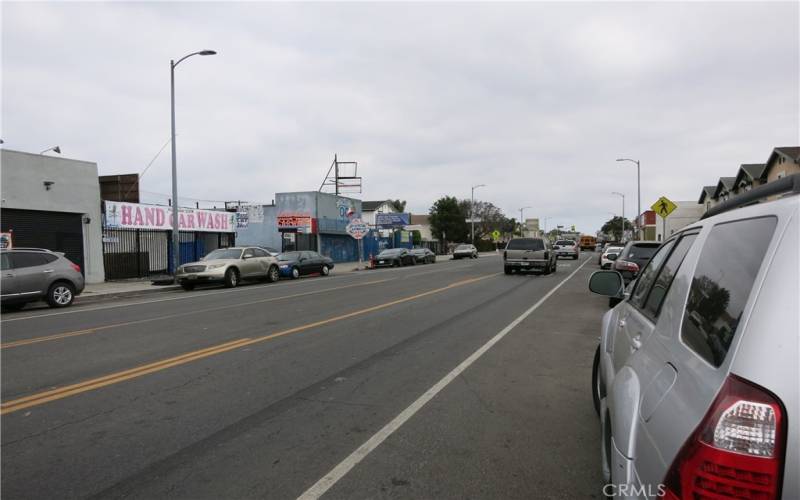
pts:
pixel 663 207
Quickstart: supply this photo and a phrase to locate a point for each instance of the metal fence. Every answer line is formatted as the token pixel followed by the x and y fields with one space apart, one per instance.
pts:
pixel 139 253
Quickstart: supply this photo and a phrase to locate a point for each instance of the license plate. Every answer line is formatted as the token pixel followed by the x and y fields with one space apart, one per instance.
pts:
pixel 381 262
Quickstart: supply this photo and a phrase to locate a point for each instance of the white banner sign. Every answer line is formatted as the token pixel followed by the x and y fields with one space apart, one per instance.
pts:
pixel 120 215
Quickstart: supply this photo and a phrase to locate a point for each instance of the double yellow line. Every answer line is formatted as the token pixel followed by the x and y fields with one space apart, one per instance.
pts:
pixel 114 378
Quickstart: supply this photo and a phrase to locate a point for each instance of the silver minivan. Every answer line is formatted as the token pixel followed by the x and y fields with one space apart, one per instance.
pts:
pixel 696 376
pixel 31 274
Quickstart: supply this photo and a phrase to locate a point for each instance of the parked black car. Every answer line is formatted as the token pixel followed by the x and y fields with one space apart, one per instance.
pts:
pixel 633 257
pixel 296 264
pixel 394 257
pixel 423 255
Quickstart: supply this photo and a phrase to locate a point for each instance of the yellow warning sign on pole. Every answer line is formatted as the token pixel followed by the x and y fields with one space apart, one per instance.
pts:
pixel 663 207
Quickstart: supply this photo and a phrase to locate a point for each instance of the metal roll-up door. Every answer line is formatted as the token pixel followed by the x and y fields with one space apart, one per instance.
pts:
pixel 57 231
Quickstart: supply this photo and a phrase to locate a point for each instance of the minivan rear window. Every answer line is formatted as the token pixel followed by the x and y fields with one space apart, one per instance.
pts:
pixel 723 279
pixel 525 244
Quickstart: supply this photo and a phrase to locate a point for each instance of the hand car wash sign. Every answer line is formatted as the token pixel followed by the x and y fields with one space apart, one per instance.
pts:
pixel 119 215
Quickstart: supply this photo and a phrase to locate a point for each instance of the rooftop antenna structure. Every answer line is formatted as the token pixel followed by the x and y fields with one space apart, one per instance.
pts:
pixel 343 176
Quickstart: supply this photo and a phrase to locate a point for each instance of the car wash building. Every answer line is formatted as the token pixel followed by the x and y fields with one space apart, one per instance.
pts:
pixel 317 221
pixel 54 203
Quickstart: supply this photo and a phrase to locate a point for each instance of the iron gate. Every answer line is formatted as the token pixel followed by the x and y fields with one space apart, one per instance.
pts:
pixel 140 253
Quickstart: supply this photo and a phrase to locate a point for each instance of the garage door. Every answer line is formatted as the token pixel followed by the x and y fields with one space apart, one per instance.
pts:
pixel 57 231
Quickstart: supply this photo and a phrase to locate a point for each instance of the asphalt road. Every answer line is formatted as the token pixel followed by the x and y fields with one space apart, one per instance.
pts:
pixel 450 380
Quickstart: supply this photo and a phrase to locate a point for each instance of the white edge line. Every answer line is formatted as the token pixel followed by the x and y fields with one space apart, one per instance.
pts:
pixel 338 472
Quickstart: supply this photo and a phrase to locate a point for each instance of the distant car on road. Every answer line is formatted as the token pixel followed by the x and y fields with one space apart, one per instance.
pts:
pixel 423 255
pixel 566 248
pixel 394 257
pixel 229 266
pixel 529 254
pixel 465 251
pixel 633 257
pixel 31 274
pixel 304 262
pixel 608 257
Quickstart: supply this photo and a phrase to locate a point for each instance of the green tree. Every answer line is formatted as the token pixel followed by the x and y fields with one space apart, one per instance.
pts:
pixel 399 205
pixel 614 227
pixel 448 221
pixel 416 237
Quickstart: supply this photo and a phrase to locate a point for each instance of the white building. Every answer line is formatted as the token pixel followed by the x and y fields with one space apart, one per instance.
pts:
pixel 54 203
pixel 686 213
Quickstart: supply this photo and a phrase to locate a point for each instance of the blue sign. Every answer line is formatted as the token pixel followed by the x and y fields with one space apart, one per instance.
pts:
pixel 392 220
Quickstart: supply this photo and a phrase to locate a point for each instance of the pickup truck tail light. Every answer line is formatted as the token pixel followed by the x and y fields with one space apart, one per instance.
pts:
pixel 624 265
pixel 737 451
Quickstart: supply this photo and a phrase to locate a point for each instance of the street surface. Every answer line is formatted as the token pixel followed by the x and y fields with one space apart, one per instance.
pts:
pixel 266 391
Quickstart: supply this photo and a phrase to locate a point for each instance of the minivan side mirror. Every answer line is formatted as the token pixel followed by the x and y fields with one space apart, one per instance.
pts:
pixel 608 283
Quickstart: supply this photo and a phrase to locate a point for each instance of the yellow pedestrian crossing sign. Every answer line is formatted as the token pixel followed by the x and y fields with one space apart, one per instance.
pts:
pixel 495 235
pixel 663 207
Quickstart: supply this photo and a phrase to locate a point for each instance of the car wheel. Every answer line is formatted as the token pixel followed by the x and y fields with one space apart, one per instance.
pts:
pixel 326 270
pixel 231 278
pixel 295 273
pixel 187 286
pixel 596 390
pixel 60 294
pixel 273 274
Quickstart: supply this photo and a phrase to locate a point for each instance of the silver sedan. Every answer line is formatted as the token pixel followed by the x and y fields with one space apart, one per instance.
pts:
pixel 229 266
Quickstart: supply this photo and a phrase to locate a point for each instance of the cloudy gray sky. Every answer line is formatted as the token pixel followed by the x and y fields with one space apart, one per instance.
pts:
pixel 536 100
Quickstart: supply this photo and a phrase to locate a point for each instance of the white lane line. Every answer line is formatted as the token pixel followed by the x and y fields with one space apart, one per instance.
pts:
pixel 338 472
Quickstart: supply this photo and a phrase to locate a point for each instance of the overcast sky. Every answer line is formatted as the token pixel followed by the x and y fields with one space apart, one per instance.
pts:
pixel 534 100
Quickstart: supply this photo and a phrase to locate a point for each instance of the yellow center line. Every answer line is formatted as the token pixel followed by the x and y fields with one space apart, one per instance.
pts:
pixel 56 336
pixel 114 378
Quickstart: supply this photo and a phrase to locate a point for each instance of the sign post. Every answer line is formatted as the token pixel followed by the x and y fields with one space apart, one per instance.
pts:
pixel 496 238
pixel 663 207
pixel 358 229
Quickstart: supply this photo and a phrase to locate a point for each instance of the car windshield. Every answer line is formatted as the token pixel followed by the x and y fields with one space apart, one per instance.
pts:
pixel 525 244
pixel 225 253
pixel 565 242
pixel 289 256
pixel 391 252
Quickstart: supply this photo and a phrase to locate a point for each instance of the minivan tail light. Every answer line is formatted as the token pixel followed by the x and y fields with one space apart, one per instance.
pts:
pixel 738 449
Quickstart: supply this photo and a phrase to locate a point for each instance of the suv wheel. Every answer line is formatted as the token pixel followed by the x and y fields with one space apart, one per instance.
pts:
pixel 596 392
pixel 231 278
pixel 60 294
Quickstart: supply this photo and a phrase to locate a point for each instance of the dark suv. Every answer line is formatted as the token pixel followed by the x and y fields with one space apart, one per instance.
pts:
pixel 31 274
pixel 633 257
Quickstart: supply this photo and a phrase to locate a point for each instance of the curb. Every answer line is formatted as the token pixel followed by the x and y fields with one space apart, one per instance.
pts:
pixel 86 299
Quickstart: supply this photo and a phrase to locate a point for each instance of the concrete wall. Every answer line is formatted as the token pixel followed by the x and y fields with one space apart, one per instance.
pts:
pixel 75 189
pixel 261 233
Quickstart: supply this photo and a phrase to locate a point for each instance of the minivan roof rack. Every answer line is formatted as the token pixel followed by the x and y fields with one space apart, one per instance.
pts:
pixel 786 185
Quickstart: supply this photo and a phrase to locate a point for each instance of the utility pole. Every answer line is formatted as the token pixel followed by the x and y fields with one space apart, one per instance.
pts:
pixel 638 195
pixel 521 221
pixel 472 211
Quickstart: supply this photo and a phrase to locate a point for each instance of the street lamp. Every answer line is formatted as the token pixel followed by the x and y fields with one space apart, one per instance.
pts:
pixel 521 220
pixel 638 194
pixel 623 212
pixel 54 149
pixel 472 211
pixel 176 258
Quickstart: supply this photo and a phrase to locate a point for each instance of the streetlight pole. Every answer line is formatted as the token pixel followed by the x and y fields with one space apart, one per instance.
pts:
pixel 472 211
pixel 638 194
pixel 623 212
pixel 176 258
pixel 521 220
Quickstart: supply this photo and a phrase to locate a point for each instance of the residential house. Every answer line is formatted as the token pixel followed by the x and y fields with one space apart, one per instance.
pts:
pixel 750 175
pixel 707 197
pixel 782 162
pixel 725 189
pixel 370 208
